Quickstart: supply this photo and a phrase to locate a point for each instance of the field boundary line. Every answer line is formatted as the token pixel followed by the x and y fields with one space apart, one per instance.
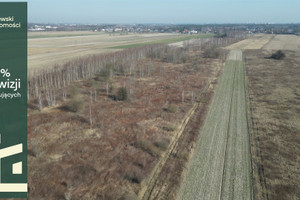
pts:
pixel 254 144
pixel 246 105
pixel 268 42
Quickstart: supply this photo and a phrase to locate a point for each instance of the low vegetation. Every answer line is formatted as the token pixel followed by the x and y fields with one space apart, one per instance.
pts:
pixel 211 52
pixel 75 103
pixel 274 105
pixel 123 140
pixel 148 147
pixel 162 143
pixel 170 127
pixel 172 108
pixel 278 55
pixel 122 94
pixel 224 142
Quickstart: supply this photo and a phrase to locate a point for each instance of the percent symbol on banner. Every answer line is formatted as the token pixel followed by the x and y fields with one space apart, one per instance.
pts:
pixel 5 72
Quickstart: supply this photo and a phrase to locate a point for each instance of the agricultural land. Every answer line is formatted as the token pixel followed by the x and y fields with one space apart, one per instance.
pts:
pixel 46 49
pixel 274 116
pixel 163 116
pixel 221 167
pixel 109 126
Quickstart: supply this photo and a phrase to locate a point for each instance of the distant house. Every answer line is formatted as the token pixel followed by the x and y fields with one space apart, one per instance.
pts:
pixel 36 29
pixel 193 32
pixel 118 30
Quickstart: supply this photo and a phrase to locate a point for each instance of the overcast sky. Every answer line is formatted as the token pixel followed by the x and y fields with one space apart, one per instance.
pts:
pixel 164 11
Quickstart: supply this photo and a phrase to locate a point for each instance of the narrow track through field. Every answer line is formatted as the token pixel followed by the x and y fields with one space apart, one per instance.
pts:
pixel 221 166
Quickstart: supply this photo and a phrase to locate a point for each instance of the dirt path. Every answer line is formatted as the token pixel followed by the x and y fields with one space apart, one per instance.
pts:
pixel 149 185
pixel 221 167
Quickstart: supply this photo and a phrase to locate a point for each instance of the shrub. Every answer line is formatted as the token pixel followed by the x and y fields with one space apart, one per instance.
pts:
pixel 174 55
pixel 130 196
pixel 162 144
pixel 122 94
pixel 169 127
pixel 75 104
pixel 182 155
pixel 221 35
pixel 74 91
pixel 172 108
pixel 147 146
pixel 183 59
pixel 107 71
pixel 278 55
pixel 134 176
pixel 211 52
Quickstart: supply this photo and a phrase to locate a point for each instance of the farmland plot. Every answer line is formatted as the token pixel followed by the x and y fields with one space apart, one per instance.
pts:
pixel 273 89
pixel 221 167
pixel 46 49
pixel 255 42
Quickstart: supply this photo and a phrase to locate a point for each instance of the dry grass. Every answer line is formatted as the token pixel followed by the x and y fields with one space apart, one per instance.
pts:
pixel 254 42
pixel 274 97
pixel 47 49
pixel 148 147
pixel 284 42
pixel 173 172
pixel 71 158
pixel 172 108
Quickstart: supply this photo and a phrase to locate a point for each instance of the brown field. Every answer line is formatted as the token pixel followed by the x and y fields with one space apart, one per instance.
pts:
pixel 269 42
pixel 108 149
pixel 254 42
pixel 274 116
pixel 46 49
pixel 284 42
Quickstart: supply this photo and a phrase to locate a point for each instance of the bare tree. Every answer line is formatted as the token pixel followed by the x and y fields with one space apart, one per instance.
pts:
pixel 192 97
pixel 90 109
pixel 43 84
pixel 40 102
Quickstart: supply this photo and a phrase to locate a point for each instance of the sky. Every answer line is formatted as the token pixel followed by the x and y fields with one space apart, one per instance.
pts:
pixel 163 11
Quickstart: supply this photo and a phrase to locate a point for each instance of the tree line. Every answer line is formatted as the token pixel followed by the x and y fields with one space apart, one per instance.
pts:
pixel 44 84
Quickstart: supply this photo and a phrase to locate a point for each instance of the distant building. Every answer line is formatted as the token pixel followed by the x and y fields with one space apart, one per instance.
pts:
pixel 193 32
pixel 36 29
pixel 118 30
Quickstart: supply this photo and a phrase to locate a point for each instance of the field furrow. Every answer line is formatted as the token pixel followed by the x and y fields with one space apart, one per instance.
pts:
pixel 220 167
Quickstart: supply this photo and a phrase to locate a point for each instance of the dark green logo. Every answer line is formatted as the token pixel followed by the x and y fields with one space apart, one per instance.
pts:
pixel 13 100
